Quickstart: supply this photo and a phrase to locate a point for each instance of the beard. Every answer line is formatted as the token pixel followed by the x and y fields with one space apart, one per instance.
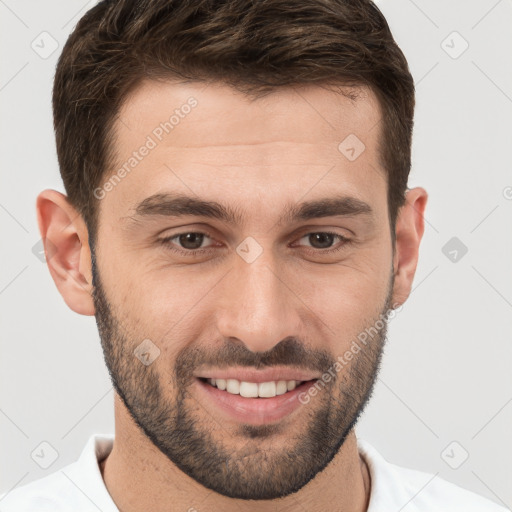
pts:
pixel 199 446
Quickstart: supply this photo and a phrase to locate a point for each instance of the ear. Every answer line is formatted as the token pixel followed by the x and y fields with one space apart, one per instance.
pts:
pixel 409 231
pixel 66 243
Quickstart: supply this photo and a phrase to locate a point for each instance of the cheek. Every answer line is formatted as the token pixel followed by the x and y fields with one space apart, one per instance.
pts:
pixel 342 298
pixel 167 306
pixel 346 299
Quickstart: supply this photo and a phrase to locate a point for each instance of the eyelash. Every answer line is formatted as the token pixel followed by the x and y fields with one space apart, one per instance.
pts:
pixel 193 252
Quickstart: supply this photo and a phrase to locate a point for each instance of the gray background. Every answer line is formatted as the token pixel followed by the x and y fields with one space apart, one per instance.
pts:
pixel 446 370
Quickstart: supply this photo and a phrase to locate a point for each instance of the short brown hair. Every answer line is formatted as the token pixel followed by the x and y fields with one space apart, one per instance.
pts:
pixel 255 46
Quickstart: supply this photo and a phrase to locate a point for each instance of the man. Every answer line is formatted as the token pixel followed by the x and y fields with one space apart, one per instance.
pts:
pixel 239 223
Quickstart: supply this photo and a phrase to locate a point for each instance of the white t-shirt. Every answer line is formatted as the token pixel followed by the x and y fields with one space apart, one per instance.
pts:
pixel 79 487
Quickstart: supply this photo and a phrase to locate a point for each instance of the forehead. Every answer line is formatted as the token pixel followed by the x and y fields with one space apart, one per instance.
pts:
pixel 212 141
pixel 224 116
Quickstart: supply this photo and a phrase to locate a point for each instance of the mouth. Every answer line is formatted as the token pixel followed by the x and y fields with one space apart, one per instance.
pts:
pixel 268 389
pixel 254 403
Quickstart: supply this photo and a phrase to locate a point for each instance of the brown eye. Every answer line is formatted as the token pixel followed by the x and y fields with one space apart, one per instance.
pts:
pixel 188 243
pixel 191 240
pixel 321 240
pixel 324 239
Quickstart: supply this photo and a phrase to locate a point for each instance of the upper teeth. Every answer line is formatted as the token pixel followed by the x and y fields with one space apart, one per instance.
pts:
pixel 255 389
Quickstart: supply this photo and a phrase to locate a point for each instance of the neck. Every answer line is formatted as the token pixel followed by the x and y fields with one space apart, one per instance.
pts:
pixel 139 477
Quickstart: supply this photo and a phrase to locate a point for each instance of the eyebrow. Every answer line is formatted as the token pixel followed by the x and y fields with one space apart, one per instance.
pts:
pixel 178 205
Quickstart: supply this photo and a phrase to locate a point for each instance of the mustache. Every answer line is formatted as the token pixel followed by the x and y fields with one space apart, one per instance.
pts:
pixel 288 352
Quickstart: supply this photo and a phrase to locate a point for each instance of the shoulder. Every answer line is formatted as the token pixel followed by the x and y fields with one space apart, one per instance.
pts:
pixel 52 493
pixel 78 486
pixel 410 490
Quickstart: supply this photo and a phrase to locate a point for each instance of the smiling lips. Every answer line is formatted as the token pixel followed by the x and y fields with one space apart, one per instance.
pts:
pixel 251 383
pixel 253 396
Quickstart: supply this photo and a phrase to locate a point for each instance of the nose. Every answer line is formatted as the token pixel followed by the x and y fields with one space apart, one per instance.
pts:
pixel 257 303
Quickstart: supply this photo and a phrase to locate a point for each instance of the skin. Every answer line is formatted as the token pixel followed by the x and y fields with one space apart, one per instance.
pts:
pixel 294 305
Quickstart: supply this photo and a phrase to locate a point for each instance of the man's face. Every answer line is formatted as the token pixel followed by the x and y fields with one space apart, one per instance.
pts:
pixel 257 291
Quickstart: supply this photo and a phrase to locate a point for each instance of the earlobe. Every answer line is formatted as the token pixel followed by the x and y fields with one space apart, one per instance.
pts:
pixel 68 257
pixel 410 226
